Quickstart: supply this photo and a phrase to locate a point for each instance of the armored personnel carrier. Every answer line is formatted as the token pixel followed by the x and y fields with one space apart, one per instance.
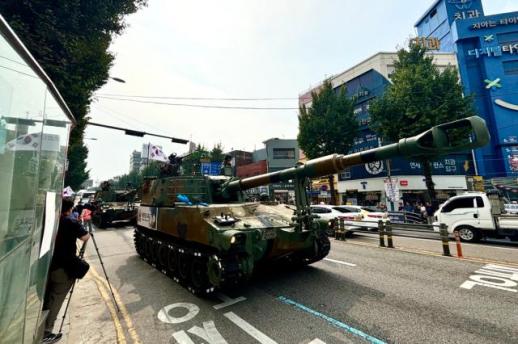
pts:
pixel 113 205
pixel 199 230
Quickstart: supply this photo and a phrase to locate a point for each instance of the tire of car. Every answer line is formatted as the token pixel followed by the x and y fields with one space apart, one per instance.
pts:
pixel 348 234
pixel 468 234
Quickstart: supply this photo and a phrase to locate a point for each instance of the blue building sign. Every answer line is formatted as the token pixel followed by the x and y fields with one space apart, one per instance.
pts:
pixel 211 168
pixel 487 53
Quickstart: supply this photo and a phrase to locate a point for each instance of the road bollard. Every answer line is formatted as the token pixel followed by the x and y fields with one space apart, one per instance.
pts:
pixel 445 240
pixel 459 247
pixel 388 230
pixel 381 231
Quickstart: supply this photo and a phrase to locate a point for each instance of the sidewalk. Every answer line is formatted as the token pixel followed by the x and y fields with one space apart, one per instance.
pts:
pixel 88 319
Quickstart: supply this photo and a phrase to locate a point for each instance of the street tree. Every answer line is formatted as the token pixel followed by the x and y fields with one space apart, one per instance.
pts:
pixel 191 164
pixel 70 39
pixel 420 96
pixel 216 154
pixel 328 126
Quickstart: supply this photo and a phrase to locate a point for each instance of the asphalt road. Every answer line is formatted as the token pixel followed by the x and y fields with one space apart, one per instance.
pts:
pixel 361 294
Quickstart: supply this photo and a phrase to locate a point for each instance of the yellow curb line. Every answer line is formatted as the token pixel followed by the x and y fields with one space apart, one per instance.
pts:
pixel 121 339
pixel 125 314
pixel 435 254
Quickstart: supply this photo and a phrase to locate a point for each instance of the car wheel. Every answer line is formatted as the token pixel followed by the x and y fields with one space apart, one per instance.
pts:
pixel 468 234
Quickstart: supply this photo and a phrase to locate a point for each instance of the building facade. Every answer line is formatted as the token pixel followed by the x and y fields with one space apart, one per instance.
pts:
pixel 366 184
pixel 135 161
pixel 34 129
pixel 487 52
pixel 281 154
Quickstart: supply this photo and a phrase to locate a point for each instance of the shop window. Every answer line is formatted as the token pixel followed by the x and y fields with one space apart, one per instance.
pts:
pixel 511 67
pixel 465 202
pixel 284 153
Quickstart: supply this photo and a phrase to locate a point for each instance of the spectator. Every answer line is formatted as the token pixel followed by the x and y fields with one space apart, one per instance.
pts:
pixel 429 212
pixel 63 268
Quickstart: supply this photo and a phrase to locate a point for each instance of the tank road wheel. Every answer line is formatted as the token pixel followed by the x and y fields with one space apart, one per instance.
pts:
pixel 139 243
pixel 148 249
pixel 199 277
pixel 215 271
pixel 184 265
pixel 163 253
pixel 172 261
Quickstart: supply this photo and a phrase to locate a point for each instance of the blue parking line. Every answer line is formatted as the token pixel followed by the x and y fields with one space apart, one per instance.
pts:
pixel 332 321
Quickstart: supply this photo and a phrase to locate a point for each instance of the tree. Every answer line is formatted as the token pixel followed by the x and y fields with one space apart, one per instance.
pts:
pixel 216 154
pixel 419 97
pixel 328 126
pixel 191 164
pixel 70 39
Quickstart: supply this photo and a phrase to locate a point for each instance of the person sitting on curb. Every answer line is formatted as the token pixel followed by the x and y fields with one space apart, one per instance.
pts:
pixel 63 267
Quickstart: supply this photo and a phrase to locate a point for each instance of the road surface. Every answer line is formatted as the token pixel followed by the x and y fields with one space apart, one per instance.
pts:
pixel 360 294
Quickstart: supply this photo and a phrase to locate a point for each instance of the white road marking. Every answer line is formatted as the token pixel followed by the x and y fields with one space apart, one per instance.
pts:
pixel 494 276
pixel 339 262
pixel 248 328
pixel 317 341
pixel 192 311
pixel 182 338
pixel 227 301
pixel 209 333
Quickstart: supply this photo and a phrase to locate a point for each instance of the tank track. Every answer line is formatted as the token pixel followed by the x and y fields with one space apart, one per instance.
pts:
pixel 322 248
pixel 186 264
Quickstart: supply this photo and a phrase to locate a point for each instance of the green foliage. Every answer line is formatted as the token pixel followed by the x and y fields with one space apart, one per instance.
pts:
pixel 70 39
pixel 216 154
pixel 136 178
pixel 419 97
pixel 329 125
pixel 191 164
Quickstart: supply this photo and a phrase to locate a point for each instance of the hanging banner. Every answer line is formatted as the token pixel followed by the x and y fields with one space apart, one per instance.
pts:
pixel 392 189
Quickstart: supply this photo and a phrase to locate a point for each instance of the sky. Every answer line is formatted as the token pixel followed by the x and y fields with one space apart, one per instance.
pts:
pixel 235 49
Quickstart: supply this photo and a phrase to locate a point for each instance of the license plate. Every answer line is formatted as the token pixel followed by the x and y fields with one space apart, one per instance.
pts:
pixel 269 233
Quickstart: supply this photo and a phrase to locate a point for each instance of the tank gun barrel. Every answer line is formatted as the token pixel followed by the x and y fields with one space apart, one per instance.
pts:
pixel 443 139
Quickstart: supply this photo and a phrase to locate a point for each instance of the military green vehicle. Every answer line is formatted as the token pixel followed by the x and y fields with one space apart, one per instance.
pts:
pixel 114 205
pixel 199 231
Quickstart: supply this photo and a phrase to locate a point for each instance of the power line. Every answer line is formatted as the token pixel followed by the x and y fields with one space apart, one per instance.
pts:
pixel 200 106
pixel 193 98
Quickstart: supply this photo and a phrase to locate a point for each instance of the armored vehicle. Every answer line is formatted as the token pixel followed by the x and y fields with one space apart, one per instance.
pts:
pixel 199 230
pixel 113 205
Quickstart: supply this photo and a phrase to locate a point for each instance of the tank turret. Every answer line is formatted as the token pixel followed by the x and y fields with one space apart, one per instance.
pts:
pixel 199 230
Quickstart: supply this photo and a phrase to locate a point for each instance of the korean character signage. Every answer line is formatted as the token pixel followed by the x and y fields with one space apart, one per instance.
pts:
pixel 495 51
pixel 430 43
pixel 465 9
pixel 487 24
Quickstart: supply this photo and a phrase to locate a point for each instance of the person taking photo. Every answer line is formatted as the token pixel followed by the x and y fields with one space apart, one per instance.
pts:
pixel 65 267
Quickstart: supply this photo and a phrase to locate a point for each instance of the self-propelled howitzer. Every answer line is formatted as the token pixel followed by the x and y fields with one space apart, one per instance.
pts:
pixel 199 230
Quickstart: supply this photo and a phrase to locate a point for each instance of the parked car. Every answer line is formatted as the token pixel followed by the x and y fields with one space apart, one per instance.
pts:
pixel 329 214
pixel 511 208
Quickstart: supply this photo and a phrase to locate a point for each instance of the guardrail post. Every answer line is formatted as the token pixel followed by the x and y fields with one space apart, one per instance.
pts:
pixel 388 229
pixel 459 247
pixel 381 231
pixel 341 225
pixel 445 240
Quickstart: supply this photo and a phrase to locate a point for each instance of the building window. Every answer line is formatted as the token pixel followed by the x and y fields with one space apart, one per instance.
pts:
pixel 508 37
pixel 511 67
pixel 284 153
